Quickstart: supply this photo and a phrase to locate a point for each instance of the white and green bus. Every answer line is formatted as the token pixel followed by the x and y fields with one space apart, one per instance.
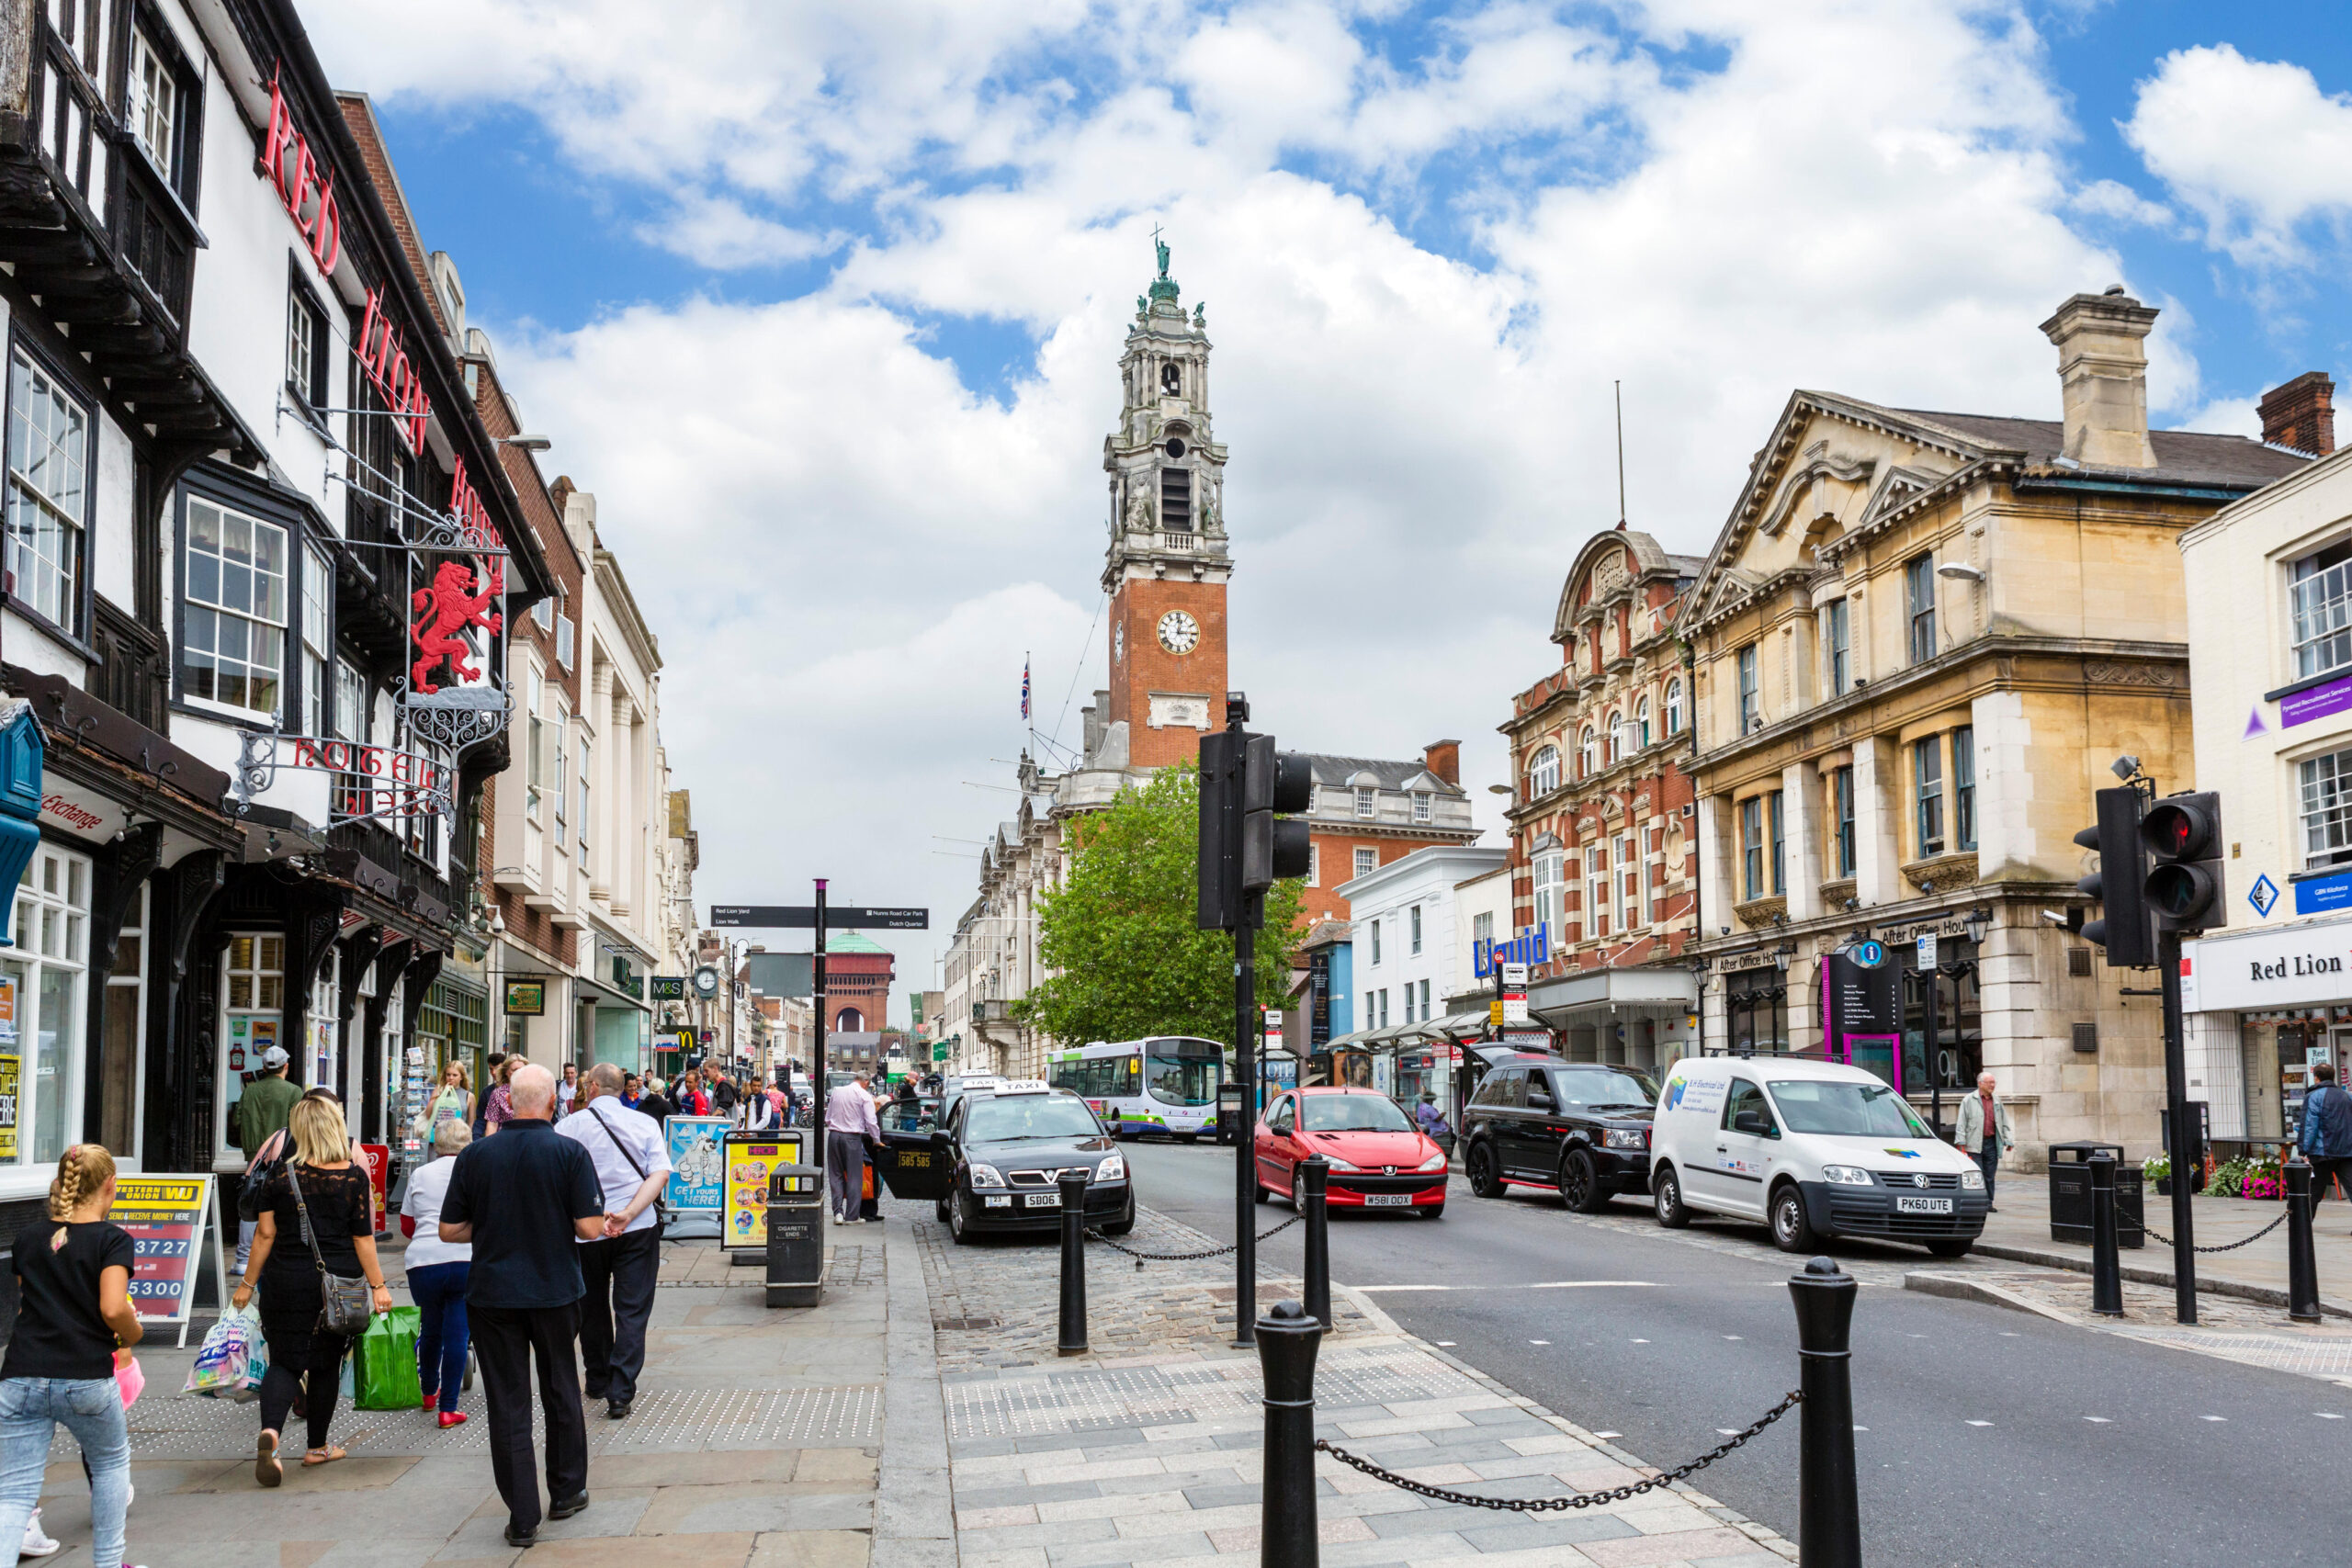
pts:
pixel 1164 1084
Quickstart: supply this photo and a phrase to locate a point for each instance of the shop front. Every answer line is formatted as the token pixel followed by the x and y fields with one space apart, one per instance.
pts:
pixel 2264 1008
pixel 1643 1017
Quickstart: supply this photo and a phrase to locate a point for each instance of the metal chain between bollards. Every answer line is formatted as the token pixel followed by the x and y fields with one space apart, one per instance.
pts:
pixel 2225 1246
pixel 1141 1257
pixel 1574 1500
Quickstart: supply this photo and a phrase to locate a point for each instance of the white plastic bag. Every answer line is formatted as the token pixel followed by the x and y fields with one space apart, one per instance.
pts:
pixel 231 1362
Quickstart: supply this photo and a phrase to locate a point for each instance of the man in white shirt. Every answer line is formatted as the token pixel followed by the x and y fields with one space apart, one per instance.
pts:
pixel 567 1093
pixel 850 1125
pixel 623 1265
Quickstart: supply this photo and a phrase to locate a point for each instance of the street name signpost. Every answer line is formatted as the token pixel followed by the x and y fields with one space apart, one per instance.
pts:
pixel 818 918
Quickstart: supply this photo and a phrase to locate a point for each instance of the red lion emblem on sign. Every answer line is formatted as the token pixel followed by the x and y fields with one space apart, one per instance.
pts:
pixel 449 611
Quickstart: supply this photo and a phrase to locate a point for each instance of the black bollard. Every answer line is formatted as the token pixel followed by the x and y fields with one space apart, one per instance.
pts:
pixel 1288 1338
pixel 1317 1173
pixel 1829 1516
pixel 1073 1185
pixel 2302 1264
pixel 2107 1265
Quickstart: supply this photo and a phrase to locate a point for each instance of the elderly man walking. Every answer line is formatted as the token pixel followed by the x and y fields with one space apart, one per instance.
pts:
pixel 1984 1132
pixel 849 1122
pixel 524 1198
pixel 622 1265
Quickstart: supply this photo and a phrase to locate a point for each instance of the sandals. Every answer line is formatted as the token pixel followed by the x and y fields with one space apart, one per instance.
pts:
pixel 268 1470
pixel 327 1455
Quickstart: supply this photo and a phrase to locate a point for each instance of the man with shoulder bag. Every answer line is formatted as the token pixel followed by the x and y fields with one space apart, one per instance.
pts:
pixel 623 1266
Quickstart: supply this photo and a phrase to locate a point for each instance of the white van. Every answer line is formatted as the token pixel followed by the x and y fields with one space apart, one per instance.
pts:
pixel 1812 1148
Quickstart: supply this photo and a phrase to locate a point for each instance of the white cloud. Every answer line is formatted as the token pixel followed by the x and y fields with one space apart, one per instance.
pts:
pixel 2252 147
pixel 822 521
pixel 719 232
pixel 2111 199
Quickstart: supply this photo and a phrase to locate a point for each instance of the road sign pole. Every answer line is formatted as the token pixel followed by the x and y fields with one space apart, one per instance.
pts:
pixel 2184 1147
pixel 816 994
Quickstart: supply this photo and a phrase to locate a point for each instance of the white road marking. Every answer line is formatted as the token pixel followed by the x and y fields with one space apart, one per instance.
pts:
pixel 1862 1429
pixel 1445 1344
pixel 1539 1342
pixel 1980 1422
pixel 2213 1417
pixel 1726 1431
pixel 2327 1416
pixel 1641 1341
pixel 1732 1335
pixel 2101 1420
pixel 1544 1285
pixel 1608 1434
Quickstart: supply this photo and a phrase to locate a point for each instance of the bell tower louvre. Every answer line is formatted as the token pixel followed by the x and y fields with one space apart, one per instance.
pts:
pixel 1167 564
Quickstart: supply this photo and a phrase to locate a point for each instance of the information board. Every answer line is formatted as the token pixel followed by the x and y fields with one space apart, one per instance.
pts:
pixel 167 1218
pixel 749 1157
pixel 697 1198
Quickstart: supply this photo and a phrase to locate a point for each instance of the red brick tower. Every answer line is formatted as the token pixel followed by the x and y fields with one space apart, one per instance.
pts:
pixel 1167 565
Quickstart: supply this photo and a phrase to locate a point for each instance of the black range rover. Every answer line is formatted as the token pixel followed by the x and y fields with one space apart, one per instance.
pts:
pixel 1581 1128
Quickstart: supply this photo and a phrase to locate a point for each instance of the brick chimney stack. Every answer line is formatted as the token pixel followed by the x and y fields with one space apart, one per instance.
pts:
pixel 2301 414
pixel 1444 757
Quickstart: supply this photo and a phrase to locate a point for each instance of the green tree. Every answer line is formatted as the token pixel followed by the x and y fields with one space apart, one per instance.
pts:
pixel 1120 936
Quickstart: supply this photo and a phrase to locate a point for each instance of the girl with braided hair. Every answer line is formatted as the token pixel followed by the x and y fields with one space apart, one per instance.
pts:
pixel 75 1326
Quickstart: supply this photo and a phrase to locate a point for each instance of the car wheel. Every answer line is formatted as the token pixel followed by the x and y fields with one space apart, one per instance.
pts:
pixel 1257 1191
pixel 1123 1223
pixel 1484 1181
pixel 958 1219
pixel 1792 1231
pixel 1956 1248
pixel 1580 1184
pixel 1434 1212
pixel 1666 1192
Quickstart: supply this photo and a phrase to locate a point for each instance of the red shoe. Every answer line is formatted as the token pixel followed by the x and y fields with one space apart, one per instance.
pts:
pixel 430 1395
pixel 452 1418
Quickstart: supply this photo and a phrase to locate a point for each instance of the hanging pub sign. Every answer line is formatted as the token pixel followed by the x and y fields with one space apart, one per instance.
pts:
pixel 371 781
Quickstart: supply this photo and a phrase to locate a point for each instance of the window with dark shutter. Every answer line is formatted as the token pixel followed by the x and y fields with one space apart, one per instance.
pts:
pixel 1175 501
pixel 2086 1037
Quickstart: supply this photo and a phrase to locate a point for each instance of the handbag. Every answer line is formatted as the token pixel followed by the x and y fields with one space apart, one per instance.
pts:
pixel 344 1304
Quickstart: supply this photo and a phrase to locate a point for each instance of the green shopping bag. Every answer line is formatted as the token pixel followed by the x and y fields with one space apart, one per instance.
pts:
pixel 384 1362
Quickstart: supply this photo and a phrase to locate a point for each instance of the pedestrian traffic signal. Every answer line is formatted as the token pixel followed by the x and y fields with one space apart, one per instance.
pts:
pixel 2122 928
pixel 1273 782
pixel 2183 832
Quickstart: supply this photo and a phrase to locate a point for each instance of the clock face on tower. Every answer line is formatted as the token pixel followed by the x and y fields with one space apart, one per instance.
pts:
pixel 1178 633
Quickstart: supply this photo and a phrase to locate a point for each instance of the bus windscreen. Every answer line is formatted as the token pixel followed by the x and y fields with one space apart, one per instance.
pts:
pixel 1178 1077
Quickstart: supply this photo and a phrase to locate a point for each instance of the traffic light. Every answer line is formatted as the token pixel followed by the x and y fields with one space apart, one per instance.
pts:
pixel 2183 832
pixel 2122 868
pixel 1272 781
pixel 1219 902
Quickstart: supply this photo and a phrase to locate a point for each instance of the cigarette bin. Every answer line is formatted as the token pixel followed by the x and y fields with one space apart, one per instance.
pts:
pixel 796 1235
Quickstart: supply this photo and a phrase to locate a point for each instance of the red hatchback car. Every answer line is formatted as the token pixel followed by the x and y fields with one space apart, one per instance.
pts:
pixel 1379 1159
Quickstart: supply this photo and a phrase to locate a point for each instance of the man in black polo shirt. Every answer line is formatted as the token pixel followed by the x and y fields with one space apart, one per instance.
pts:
pixel 524 1201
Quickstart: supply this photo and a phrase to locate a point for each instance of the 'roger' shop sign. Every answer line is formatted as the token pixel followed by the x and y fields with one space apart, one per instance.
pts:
pixel 2301 965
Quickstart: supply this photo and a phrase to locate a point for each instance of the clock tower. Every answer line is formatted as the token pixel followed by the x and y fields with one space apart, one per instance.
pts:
pixel 1167 564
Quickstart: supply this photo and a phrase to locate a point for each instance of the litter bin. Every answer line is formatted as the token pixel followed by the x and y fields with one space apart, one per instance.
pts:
pixel 796 1235
pixel 2070 1195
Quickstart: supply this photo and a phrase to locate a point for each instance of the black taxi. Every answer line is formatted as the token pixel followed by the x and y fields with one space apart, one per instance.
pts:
pixel 995 1163
pixel 1581 1128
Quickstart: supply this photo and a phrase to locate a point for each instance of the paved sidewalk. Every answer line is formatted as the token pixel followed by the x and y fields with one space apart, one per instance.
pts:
pixel 2257 1272
pixel 760 1440
pixel 1148 1448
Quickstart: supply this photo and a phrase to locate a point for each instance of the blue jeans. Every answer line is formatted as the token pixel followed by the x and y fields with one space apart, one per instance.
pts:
pixel 90 1408
pixel 439 1292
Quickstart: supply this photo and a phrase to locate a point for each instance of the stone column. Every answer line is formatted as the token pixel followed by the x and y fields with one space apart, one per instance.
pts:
pixel 2004 835
pixel 1800 822
pixel 1878 808
pixel 1718 846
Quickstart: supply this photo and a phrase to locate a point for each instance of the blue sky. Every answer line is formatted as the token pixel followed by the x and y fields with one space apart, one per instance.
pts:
pixel 824 300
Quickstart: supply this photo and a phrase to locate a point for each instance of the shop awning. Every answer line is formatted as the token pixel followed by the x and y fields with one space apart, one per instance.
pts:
pixel 1650 990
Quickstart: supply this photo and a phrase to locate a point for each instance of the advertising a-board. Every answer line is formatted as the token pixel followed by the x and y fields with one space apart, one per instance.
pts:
pixel 749 1157
pixel 166 1218
pixel 696 1198
pixel 379 1159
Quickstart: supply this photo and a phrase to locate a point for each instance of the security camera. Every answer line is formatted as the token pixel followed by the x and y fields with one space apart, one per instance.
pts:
pixel 2124 768
pixel 1726 931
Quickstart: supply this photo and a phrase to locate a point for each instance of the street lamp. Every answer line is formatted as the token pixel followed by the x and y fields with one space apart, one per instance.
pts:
pixel 1979 921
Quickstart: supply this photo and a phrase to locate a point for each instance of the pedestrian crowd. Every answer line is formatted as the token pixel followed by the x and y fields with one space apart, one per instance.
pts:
pixel 532 1228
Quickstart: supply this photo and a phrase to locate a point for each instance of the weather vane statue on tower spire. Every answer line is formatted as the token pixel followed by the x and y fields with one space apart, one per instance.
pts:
pixel 1160 245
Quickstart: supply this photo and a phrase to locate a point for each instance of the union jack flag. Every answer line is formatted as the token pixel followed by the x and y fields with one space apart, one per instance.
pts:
pixel 1024 688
